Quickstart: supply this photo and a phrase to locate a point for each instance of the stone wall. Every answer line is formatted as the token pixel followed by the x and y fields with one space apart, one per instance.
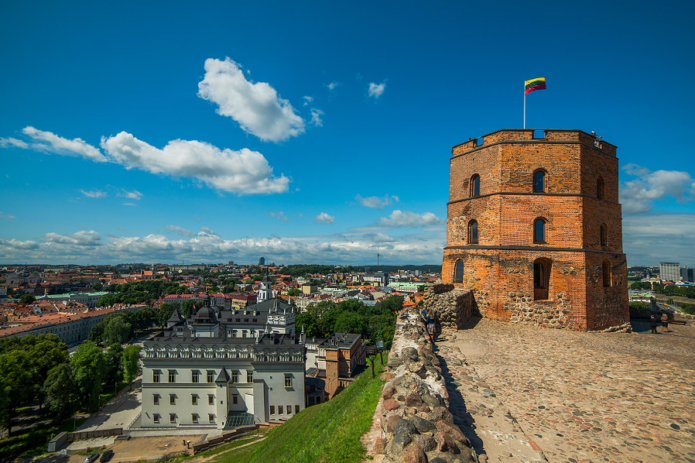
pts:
pixel 414 417
pixel 452 307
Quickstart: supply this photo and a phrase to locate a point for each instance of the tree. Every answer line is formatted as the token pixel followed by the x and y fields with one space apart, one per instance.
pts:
pixel 131 357
pixel 26 299
pixel 294 292
pixel 309 323
pixel 114 364
pixel 15 369
pixel 96 334
pixel 116 330
pixel 187 308
pixel 88 364
pixel 97 286
pixel 164 313
pixel 59 389
pixel 6 408
pixel 350 322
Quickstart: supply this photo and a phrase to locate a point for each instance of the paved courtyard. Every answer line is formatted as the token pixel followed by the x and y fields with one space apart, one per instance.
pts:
pixel 573 396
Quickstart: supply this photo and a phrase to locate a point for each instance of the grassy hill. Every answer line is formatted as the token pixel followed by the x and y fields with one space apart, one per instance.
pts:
pixel 329 432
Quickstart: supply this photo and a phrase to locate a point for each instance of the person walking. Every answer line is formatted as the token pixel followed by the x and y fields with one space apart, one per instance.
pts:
pixel 654 323
pixel 664 321
pixel 430 324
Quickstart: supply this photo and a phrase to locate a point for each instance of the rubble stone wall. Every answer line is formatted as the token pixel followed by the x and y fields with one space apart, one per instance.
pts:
pixel 452 307
pixel 414 417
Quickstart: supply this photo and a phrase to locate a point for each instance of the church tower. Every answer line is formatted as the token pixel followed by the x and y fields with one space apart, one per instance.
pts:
pixel 535 229
pixel 266 292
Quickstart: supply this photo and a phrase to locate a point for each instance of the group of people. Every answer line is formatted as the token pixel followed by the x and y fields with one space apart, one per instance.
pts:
pixel 655 323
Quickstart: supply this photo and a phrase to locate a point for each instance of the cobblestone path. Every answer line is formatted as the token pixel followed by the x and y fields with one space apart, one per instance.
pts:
pixel 573 396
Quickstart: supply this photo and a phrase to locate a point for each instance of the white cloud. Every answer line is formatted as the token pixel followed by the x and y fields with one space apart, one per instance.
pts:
pixel 376 90
pixel 12 143
pixel 325 218
pixel 256 107
pixel 8 217
pixel 51 143
pixel 333 85
pixel 307 100
pixel 316 117
pixel 81 238
pixel 241 172
pixel 638 195
pixel 93 194
pixel 135 194
pixel 206 247
pixel 375 202
pixel 207 231
pixel 180 231
pixel 378 238
pixel 399 219
pixel 652 238
pixel 279 215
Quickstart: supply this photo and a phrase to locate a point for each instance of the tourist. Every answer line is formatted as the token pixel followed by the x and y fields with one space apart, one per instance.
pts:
pixel 430 324
pixel 654 324
pixel 664 321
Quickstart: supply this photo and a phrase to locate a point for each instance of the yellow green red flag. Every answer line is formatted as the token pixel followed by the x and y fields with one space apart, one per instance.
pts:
pixel 534 84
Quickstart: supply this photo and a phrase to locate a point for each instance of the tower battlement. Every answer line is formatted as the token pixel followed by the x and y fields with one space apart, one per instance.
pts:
pixel 534 228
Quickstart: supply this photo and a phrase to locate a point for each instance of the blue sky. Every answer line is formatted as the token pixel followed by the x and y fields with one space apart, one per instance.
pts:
pixel 318 132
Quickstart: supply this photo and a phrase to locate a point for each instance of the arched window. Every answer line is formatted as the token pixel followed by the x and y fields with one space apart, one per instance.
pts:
pixel 541 278
pixel 604 235
pixel 539 231
pixel 606 273
pixel 599 188
pixel 458 272
pixel 472 232
pixel 475 185
pixel 539 181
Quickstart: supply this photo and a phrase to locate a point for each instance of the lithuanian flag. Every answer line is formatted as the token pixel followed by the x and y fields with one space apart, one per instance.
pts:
pixel 534 84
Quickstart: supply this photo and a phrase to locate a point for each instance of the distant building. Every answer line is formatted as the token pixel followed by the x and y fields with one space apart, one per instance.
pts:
pixel 670 271
pixel 381 278
pixel 309 289
pixel 89 299
pixel 688 274
pixel 261 261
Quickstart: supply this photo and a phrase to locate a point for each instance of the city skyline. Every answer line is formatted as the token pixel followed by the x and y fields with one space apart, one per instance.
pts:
pixel 225 133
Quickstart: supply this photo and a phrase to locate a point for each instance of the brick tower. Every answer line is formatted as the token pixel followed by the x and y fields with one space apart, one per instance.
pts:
pixel 535 230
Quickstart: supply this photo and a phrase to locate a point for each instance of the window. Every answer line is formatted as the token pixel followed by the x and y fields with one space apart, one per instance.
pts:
pixel 606 273
pixel 172 417
pixel 155 418
pixel 604 235
pixel 172 376
pixel 235 376
pixel 194 418
pixel 155 399
pixel 194 399
pixel 155 376
pixel 235 399
pixel 289 409
pixel 472 232
pixel 599 188
pixel 296 408
pixel 475 186
pixel 211 376
pixel 172 399
pixel 288 380
pixel 279 409
pixel 539 181
pixel 539 231
pixel 272 409
pixel 249 376
pixel 541 279
pixel 195 376
pixel 458 271
pixel 211 418
pixel 211 399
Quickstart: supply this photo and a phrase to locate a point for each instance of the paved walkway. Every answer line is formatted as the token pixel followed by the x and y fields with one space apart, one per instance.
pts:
pixel 574 396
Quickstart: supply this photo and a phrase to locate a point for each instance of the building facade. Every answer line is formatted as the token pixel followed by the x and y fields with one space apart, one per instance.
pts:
pixel 196 374
pixel 535 230
pixel 670 271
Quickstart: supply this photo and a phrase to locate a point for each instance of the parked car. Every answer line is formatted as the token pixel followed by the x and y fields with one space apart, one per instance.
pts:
pixel 91 457
pixel 106 456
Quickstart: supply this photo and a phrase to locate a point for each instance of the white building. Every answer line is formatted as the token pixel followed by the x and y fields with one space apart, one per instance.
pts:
pixel 670 271
pixel 197 372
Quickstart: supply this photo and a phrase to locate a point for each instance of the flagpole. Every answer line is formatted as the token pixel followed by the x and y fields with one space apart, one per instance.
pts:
pixel 524 105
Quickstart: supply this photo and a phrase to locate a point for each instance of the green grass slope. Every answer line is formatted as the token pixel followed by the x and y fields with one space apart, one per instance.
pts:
pixel 329 432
